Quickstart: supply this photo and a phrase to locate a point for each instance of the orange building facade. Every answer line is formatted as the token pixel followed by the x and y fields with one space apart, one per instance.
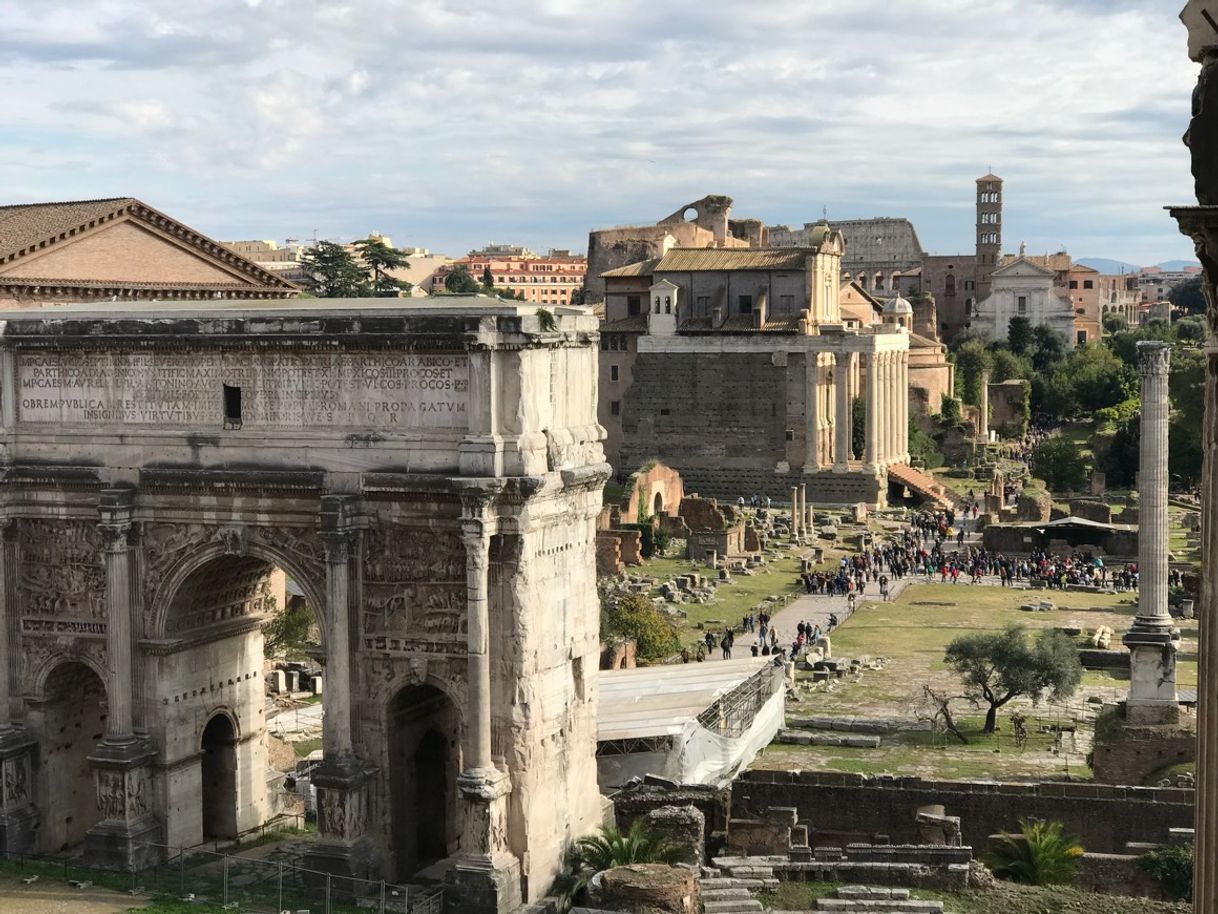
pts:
pixel 553 279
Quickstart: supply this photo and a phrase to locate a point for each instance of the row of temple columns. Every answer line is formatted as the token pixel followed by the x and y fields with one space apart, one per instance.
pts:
pixel 884 376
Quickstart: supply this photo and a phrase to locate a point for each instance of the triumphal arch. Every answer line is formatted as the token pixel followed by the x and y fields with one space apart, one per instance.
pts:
pixel 428 473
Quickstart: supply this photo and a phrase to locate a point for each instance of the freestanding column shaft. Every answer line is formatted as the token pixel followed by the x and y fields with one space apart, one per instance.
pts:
pixel 1151 641
pixel 842 426
pixel 812 414
pixel 794 512
pixel 983 418
pixel 871 449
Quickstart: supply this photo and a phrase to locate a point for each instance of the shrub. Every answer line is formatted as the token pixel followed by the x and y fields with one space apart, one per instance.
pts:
pixel 595 853
pixel 1172 868
pixel 634 616
pixel 1041 854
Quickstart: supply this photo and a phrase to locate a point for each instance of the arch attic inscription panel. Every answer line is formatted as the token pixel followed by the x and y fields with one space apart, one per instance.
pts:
pixel 260 389
pixel 429 473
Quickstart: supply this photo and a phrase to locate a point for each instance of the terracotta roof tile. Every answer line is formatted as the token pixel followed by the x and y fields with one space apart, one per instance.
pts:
pixel 26 225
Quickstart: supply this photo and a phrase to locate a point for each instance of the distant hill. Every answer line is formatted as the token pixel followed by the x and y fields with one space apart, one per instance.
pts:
pixel 1109 267
pixel 1116 267
pixel 1175 266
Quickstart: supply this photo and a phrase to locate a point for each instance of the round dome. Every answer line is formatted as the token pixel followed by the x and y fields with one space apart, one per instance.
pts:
pixel 898 306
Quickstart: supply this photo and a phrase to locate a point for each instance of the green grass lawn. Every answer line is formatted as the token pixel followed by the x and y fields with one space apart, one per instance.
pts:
pixel 911 634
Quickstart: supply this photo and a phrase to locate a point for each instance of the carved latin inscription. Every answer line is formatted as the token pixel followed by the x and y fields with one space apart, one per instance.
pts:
pixel 278 390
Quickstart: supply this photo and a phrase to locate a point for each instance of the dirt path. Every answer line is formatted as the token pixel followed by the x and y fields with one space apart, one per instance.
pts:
pixel 48 896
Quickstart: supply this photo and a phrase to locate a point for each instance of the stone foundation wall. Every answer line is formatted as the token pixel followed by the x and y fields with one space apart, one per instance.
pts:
pixel 1133 760
pixel 1106 817
pixel 1116 874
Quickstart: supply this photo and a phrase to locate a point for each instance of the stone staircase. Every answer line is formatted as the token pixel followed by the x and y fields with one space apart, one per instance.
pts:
pixel 925 485
pixel 862 899
pixel 733 894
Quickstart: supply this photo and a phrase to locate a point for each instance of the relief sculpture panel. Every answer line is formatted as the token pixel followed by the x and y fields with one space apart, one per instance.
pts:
pixel 61 570
pixel 414 589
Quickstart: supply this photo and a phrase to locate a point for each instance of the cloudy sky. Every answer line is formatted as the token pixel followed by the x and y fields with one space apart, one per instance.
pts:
pixel 449 123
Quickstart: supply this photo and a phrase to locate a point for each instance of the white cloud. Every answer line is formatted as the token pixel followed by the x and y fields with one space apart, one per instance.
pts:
pixel 446 122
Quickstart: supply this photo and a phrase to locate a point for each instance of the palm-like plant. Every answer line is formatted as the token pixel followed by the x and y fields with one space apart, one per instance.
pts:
pixel 1041 854
pixel 612 847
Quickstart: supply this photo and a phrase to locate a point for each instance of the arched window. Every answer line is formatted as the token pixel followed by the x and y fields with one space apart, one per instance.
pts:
pixel 667 304
pixel 949 286
pixel 879 282
pixel 657 304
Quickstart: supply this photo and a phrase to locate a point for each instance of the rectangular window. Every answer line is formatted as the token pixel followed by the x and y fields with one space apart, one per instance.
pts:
pixel 746 304
pixel 613 373
pixel 232 406
pixel 969 285
pixel 703 303
pixel 1023 304
pixel 1088 284
pixel 787 302
pixel 615 407
pixel 1074 284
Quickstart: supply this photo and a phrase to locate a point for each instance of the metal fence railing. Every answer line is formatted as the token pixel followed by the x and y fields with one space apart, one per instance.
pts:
pixel 265 884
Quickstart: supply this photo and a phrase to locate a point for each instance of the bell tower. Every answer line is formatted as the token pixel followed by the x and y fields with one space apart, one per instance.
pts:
pixel 989 231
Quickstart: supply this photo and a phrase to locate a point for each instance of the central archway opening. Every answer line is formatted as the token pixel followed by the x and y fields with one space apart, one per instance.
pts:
pixel 219 774
pixel 74 721
pixel 658 504
pixel 424 757
pixel 234 622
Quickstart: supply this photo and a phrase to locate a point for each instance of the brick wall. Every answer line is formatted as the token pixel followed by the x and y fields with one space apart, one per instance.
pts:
pixel 846 805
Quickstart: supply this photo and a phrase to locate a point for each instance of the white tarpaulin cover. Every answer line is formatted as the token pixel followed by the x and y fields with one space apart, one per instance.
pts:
pixel 665 701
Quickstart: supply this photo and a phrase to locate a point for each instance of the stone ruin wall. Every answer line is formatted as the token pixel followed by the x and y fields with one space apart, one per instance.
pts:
pixel 850 807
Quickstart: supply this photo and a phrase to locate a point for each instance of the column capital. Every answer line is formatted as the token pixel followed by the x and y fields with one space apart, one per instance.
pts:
pixel 1154 358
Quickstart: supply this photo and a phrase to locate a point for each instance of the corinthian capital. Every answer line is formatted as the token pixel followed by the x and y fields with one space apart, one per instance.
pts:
pixel 1154 358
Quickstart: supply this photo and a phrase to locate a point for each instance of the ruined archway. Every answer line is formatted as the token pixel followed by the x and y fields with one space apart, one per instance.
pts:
pixel 424 759
pixel 71 719
pixel 658 504
pixel 219 776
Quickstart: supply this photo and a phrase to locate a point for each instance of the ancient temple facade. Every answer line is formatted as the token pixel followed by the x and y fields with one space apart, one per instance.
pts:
pixel 740 369
pixel 428 473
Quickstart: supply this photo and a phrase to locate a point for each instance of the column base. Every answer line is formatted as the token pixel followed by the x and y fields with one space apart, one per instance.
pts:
pixel 132 846
pixel 343 848
pixel 485 877
pixel 490 886
pixel 129 837
pixel 19 816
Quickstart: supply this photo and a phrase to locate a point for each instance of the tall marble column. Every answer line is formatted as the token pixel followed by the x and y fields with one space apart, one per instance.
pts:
pixel 342 780
pixel 842 425
pixel 487 874
pixel 1151 640
pixel 983 411
pixel 872 447
pixel 128 832
pixel 794 512
pixel 905 390
pixel 884 419
pixel 812 413
pixel 803 509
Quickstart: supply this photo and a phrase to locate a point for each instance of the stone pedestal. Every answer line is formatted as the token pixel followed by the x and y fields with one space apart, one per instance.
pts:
pixel 128 836
pixel 486 876
pixel 18 815
pixel 343 847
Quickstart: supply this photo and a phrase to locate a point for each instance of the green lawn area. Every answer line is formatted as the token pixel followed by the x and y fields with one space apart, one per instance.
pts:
pixel 911 635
